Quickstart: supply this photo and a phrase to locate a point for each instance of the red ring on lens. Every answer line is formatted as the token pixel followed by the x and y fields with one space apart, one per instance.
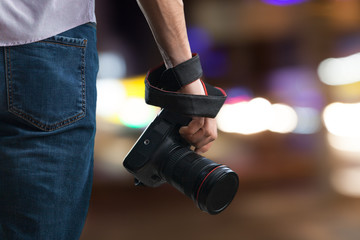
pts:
pixel 198 191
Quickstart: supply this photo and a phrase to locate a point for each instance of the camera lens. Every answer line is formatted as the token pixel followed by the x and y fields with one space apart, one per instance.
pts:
pixel 211 186
pixel 217 189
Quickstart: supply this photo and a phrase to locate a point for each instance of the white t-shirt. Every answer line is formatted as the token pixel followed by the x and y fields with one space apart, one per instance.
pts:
pixel 26 21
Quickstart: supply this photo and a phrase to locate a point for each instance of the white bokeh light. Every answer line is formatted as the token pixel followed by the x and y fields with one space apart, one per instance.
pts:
pixel 111 65
pixel 346 181
pixel 256 115
pixel 136 113
pixel 338 71
pixel 343 119
pixel 283 118
pixel 110 97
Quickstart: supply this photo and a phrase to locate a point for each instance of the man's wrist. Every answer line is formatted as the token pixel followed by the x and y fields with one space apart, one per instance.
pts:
pixel 194 88
pixel 174 60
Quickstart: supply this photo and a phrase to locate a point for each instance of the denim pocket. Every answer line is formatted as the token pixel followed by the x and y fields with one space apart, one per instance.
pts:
pixel 46 81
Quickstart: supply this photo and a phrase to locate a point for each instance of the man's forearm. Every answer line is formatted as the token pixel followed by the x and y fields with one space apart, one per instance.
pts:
pixel 167 22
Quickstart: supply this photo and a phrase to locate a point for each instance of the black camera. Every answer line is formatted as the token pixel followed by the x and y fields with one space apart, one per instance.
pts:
pixel 161 155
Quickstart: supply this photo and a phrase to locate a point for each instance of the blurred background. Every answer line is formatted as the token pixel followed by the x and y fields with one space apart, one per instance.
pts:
pixel 289 128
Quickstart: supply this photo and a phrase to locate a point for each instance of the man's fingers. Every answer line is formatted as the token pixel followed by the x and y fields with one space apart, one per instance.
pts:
pixel 203 137
pixel 204 148
pixel 193 127
pixel 200 132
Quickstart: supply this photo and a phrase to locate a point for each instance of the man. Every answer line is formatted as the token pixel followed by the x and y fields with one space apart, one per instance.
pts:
pixel 48 67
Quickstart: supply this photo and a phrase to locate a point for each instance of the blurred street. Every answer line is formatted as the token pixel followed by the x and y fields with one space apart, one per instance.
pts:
pixel 289 127
pixel 299 212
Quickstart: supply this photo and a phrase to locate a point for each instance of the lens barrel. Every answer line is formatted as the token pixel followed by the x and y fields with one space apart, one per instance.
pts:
pixel 211 186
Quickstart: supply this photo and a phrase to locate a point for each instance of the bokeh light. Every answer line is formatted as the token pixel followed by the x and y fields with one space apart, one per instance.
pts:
pixel 338 71
pixel 256 115
pixel 214 61
pixel 244 117
pixel 111 95
pixel 121 101
pixel 135 113
pixel 342 119
pixel 309 120
pixel 345 181
pixel 200 39
pixel 111 65
pixel 283 118
pixel 238 94
pixel 296 86
pixel 349 144
pixel 284 2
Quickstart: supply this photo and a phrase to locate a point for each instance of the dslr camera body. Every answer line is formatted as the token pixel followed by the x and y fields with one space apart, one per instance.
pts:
pixel 161 155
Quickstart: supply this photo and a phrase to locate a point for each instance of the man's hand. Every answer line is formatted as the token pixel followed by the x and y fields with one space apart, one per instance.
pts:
pixel 201 131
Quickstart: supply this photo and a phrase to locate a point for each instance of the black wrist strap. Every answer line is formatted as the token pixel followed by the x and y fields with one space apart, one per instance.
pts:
pixel 173 79
pixel 161 85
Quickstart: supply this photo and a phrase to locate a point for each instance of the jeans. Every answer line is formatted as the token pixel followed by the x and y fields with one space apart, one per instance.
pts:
pixel 47 129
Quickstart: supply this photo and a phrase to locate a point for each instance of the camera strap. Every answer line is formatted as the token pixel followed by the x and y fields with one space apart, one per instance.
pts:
pixel 161 86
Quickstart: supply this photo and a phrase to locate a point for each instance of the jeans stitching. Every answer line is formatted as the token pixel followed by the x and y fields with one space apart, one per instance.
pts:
pixel 64 44
pixel 83 79
pixel 7 59
pixel 29 118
